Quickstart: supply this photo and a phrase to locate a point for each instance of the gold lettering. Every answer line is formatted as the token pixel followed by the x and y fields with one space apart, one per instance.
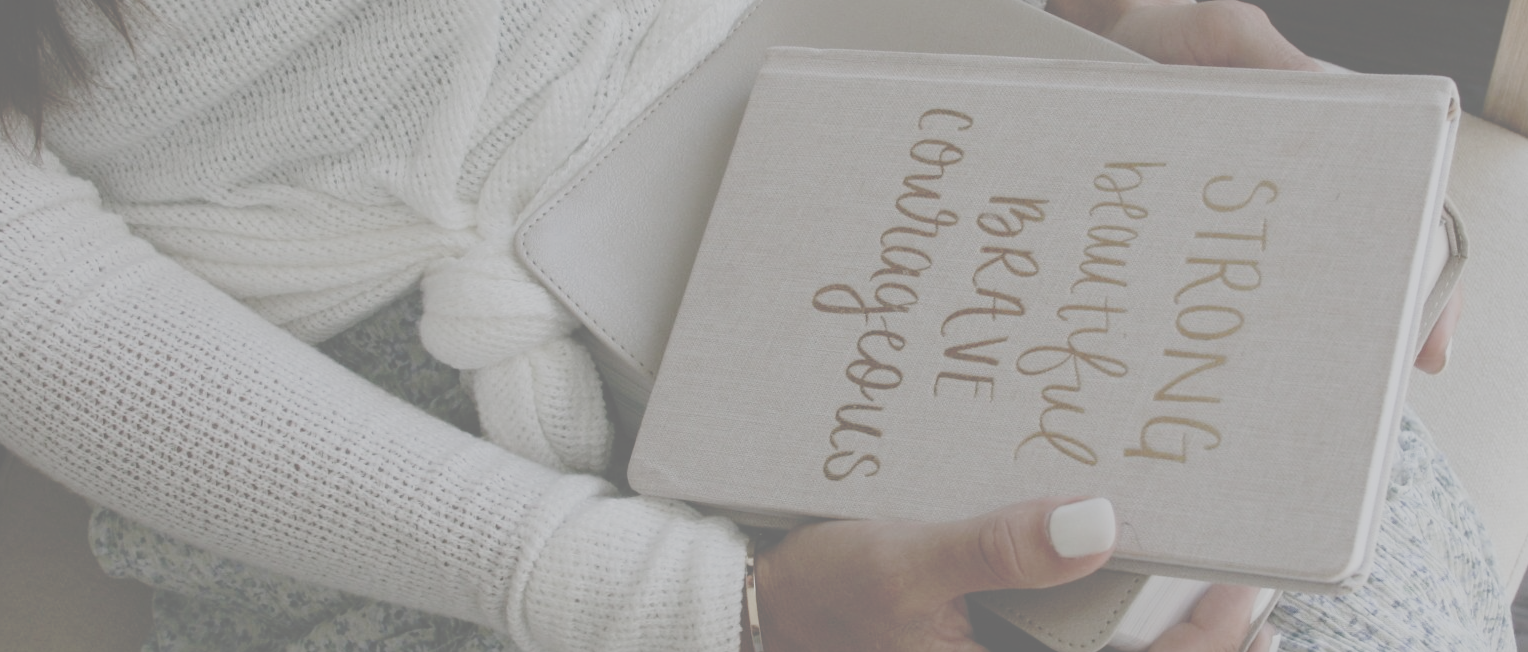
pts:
pixel 827 470
pixel 1211 361
pixel 1064 444
pixel 1023 210
pixel 1181 457
pixel 994 312
pixel 1121 238
pixel 1104 309
pixel 1106 182
pixel 821 303
pixel 1111 367
pixel 1049 360
pixel 976 383
pixel 845 425
pixel 942 218
pixel 869 373
pixel 899 258
pixel 1224 275
pixel 1228 208
pixel 947 113
pixel 1262 239
pixel 1185 330
pixel 1002 255
pixel 959 352
pixel 902 269
pixel 946 155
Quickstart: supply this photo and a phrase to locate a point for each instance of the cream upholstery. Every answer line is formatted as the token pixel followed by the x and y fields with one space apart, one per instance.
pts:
pixel 1478 407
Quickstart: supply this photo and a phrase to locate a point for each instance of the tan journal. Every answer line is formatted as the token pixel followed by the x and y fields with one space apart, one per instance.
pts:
pixel 617 245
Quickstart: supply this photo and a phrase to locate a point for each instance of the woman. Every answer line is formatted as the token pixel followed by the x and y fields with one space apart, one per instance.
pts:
pixel 310 163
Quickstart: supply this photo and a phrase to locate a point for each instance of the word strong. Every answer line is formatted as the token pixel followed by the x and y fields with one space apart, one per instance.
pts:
pixel 1225 274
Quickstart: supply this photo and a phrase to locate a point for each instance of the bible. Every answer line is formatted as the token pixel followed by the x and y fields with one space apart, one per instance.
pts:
pixel 932 285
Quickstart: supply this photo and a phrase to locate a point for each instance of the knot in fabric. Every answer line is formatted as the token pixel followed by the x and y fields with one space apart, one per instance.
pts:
pixel 537 391
pixel 484 309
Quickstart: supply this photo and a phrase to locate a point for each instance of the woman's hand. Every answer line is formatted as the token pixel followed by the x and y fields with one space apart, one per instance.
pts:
pixel 1220 33
pixel 1435 351
pixel 880 585
pixel 1219 623
pixel 1217 33
pixel 888 586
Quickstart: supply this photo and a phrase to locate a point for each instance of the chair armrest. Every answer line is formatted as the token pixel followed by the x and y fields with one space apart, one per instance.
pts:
pixel 1478 407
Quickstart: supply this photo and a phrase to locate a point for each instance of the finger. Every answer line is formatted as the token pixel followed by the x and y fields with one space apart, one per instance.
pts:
pixel 1219 622
pixel 1258 43
pixel 1031 545
pixel 1434 355
pixel 1226 608
pixel 1215 33
pixel 1265 641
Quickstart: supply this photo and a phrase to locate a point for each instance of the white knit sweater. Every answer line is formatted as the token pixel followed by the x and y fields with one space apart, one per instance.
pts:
pixel 313 161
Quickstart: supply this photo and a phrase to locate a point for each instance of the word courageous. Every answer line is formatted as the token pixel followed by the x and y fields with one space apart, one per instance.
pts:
pixel 904 257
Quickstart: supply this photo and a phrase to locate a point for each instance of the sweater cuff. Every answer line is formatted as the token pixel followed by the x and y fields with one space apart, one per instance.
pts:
pixel 626 573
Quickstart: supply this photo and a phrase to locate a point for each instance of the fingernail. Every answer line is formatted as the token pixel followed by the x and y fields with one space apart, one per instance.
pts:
pixel 1083 528
pixel 1273 643
pixel 1448 352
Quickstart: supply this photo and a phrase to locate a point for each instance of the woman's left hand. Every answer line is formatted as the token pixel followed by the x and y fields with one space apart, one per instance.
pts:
pixel 1227 33
pixel 896 586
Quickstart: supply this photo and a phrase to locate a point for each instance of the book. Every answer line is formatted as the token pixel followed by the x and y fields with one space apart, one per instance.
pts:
pixel 617 245
pixel 1167 601
pixel 1073 617
pixel 933 285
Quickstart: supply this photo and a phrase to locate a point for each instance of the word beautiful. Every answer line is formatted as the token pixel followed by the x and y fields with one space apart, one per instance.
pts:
pixel 1224 266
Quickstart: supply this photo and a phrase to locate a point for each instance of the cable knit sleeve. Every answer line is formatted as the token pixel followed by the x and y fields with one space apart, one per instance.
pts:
pixel 147 390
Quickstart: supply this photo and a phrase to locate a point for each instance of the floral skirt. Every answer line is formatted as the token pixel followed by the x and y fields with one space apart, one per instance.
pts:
pixel 1434 584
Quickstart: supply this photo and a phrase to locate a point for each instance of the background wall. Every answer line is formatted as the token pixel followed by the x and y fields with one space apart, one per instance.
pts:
pixel 1454 38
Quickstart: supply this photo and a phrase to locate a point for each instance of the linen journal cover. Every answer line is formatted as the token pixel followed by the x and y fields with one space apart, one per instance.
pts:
pixel 933 285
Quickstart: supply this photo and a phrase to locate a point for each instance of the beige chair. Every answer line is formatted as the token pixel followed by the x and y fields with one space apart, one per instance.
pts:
pixel 1478 408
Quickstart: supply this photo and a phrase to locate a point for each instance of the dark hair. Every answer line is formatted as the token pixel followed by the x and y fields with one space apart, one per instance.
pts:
pixel 32 40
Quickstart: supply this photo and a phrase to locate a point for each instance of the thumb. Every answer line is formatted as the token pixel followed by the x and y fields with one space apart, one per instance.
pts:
pixel 1032 545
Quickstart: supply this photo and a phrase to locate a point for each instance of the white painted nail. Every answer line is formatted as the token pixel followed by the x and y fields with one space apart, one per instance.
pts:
pixel 1082 529
pixel 1273 643
pixel 1448 352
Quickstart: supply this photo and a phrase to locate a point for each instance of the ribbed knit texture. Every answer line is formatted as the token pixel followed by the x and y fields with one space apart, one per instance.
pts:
pixel 313 162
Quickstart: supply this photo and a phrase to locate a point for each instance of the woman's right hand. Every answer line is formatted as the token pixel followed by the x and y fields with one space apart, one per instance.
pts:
pixel 889 585
pixel 1218 624
pixel 842 586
